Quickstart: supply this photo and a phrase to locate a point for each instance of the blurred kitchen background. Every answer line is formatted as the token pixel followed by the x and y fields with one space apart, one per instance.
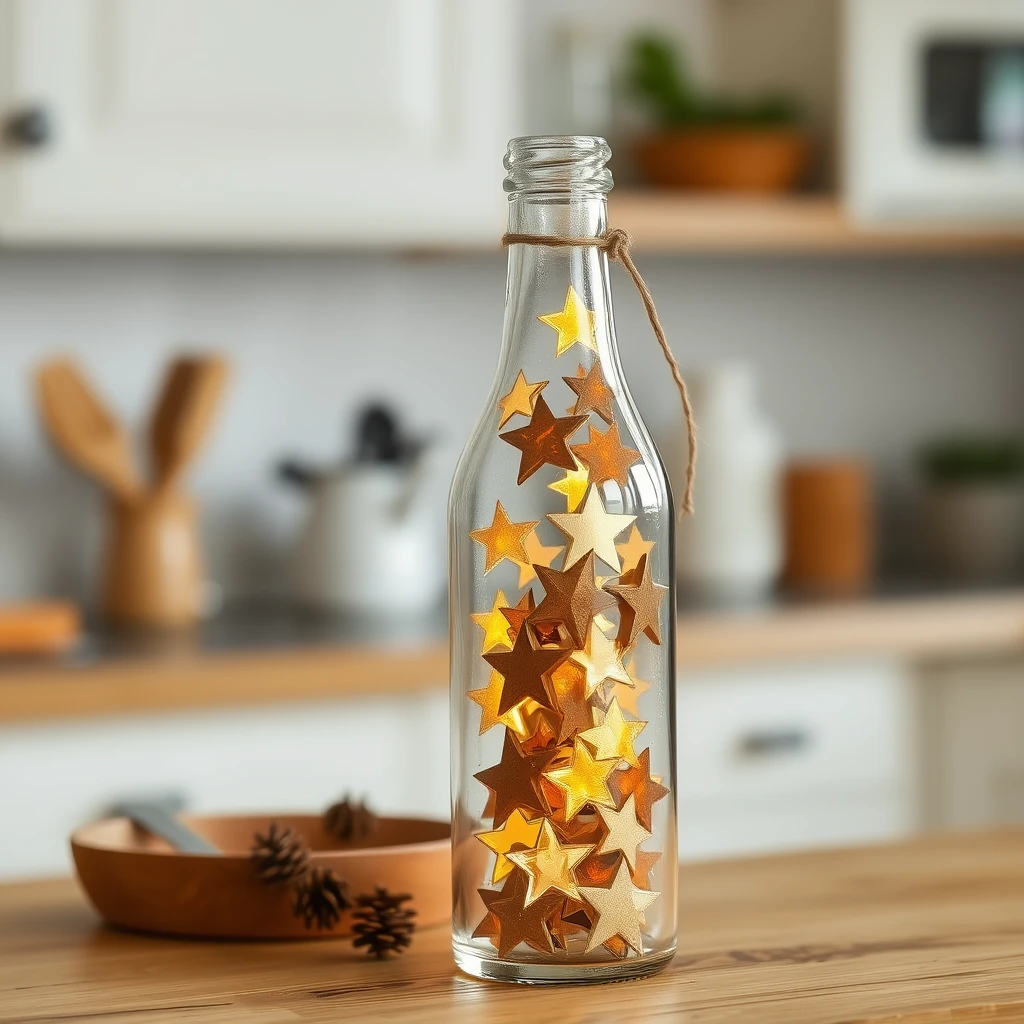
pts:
pixel 301 203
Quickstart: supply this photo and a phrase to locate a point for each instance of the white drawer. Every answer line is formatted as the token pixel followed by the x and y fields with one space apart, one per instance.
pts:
pixel 754 733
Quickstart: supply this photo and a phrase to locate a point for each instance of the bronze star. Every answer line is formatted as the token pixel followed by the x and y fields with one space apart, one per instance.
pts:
pixel 569 682
pixel 606 457
pixel 637 780
pixel 515 780
pixel 571 598
pixel 592 392
pixel 517 922
pixel 544 441
pixel 639 604
pixel 523 669
pixel 517 615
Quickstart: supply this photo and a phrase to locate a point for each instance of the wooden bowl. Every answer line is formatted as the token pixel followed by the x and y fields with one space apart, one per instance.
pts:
pixel 137 881
pixel 762 161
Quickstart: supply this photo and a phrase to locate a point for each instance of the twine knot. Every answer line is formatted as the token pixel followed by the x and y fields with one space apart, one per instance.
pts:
pixel 616 244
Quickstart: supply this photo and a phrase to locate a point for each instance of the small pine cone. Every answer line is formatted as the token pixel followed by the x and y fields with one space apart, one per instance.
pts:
pixel 280 856
pixel 349 820
pixel 320 898
pixel 382 924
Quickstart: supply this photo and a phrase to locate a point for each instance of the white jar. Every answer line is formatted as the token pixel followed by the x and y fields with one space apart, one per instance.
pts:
pixel 731 547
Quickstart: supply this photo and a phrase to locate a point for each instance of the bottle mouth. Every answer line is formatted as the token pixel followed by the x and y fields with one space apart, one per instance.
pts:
pixel 547 164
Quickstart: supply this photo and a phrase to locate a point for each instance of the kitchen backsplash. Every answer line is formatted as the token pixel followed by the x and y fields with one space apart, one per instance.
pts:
pixel 851 355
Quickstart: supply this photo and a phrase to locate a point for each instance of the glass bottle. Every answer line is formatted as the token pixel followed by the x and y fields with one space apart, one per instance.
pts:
pixel 562 621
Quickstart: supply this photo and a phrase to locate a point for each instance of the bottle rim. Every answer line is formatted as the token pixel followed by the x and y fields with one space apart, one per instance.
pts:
pixel 546 164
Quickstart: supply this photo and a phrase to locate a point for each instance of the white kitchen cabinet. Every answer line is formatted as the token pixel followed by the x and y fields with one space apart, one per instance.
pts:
pixel 793 755
pixel 293 122
pixel 974 749
pixel 57 776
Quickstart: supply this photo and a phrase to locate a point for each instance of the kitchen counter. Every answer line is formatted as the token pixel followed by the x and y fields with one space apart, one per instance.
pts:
pixel 261 656
pixel 919 933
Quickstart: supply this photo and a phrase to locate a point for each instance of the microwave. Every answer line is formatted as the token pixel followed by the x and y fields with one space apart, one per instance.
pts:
pixel 933 112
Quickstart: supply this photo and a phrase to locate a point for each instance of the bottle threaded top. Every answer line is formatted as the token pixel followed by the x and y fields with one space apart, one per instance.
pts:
pixel 544 164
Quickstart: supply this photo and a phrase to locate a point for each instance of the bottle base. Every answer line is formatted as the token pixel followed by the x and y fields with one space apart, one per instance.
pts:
pixel 526 973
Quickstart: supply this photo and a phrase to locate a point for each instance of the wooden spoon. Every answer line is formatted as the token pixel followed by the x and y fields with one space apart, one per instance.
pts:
pixel 82 427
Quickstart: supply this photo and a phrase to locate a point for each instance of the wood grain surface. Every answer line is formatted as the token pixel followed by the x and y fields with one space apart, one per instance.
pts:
pixel 920 933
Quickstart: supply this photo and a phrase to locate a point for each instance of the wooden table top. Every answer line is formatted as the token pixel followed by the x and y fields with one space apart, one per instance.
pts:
pixel 921 933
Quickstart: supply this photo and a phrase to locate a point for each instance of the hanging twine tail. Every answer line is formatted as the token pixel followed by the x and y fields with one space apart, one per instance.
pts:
pixel 617 244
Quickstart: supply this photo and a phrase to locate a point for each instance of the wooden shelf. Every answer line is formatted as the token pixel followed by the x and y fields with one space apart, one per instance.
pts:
pixel 915 629
pixel 680 223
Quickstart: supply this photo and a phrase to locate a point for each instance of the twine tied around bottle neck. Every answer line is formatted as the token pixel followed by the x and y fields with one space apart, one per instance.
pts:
pixel 616 244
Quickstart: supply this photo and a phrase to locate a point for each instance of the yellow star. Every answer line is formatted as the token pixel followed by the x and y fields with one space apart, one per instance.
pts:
pixel 503 538
pixel 600 659
pixel 489 700
pixel 614 737
pixel 592 529
pixel 574 324
pixel 494 624
pixel 622 832
pixel 516 830
pixel 574 486
pixel 583 781
pixel 631 549
pixel 549 865
pixel 619 910
pixel 521 399
pixel 537 554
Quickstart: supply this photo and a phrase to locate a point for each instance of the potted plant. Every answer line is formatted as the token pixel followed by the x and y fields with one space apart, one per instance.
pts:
pixel 712 142
pixel 974 506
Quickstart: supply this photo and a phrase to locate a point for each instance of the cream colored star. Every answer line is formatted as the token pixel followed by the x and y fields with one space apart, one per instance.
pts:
pixel 619 910
pixel 520 400
pixel 614 737
pixel 591 528
pixel 622 832
pixel 600 660
pixel 549 865
pixel 574 323
pixel 632 548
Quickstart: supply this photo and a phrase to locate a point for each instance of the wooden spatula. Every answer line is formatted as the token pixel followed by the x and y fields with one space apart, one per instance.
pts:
pixel 82 427
pixel 184 411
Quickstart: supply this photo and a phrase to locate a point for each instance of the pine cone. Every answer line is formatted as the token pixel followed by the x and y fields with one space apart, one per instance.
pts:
pixel 320 898
pixel 350 820
pixel 382 925
pixel 280 856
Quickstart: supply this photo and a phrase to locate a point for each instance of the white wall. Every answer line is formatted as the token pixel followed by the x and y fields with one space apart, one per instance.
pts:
pixel 854 355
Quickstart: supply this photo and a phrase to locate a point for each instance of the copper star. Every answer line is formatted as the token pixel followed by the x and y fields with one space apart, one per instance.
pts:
pixel 571 598
pixel 520 400
pixel 549 865
pixel 570 686
pixel 515 780
pixel 632 548
pixel 583 781
pixel 503 538
pixel 538 554
pixel 523 669
pixel 639 604
pixel 606 457
pixel 592 392
pixel 619 909
pixel 516 921
pixel 544 441
pixel 591 528
pixel 515 617
pixel 645 862
pixel 637 780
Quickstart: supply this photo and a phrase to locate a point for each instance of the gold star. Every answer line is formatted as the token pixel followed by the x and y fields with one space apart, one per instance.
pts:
pixel 571 598
pixel 574 323
pixel 489 697
pixel 494 624
pixel 619 909
pixel 592 529
pixel 549 865
pixel 537 554
pixel 570 687
pixel 637 780
pixel 614 737
pixel 573 485
pixel 544 441
pixel 515 830
pixel 639 604
pixel 606 457
pixel 632 548
pixel 623 832
pixel 592 392
pixel 524 669
pixel 600 659
pixel 520 400
pixel 583 781
pixel 503 538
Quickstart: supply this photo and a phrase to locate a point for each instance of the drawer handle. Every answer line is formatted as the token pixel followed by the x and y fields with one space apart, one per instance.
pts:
pixel 769 742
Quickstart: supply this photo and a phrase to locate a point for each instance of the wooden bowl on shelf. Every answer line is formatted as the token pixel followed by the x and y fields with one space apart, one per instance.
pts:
pixel 137 881
pixel 750 160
